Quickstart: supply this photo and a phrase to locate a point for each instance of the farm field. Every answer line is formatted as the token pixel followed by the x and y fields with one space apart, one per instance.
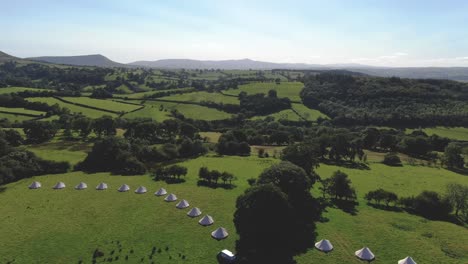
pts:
pixel 307 113
pixel 15 118
pixel 21 111
pixel 7 90
pixel 459 133
pixel 92 113
pixel 289 114
pixel 290 90
pixel 203 96
pixel 190 110
pixel 149 111
pixel 143 94
pixel 104 104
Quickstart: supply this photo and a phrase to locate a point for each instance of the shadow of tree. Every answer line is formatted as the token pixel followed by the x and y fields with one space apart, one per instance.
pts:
pixel 386 208
pixel 346 206
pixel 2 189
pixel 348 164
pixel 226 186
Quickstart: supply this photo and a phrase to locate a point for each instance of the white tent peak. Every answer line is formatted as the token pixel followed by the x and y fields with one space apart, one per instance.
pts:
pixel 182 204
pixel 220 233
pixel 407 260
pixel 206 220
pixel 59 185
pixel 102 186
pixel 124 188
pixel 171 198
pixel 81 186
pixel 141 190
pixel 161 192
pixel 365 254
pixel 35 185
pixel 324 245
pixel 194 212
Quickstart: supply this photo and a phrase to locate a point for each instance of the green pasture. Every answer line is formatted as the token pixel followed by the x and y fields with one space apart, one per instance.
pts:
pixel 290 90
pixel 458 133
pixel 7 90
pixel 21 111
pixel 190 110
pixel 104 104
pixel 15 118
pixel 203 96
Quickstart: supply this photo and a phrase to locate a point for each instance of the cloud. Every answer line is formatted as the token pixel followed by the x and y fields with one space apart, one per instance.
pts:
pixel 400 54
pixel 461 58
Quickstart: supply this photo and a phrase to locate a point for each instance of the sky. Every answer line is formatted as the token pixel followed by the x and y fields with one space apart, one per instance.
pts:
pixel 372 32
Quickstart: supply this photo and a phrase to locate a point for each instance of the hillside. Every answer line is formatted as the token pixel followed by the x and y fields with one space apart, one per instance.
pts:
pixel 82 60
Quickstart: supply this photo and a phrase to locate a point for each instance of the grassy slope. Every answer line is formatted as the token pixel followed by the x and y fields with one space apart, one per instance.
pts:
pixel 76 109
pixel 203 96
pixel 15 118
pixel 143 94
pixel 64 226
pixel 18 89
pixel 288 114
pixel 105 104
pixel 21 110
pixel 285 89
pixel 191 111
pixel 459 133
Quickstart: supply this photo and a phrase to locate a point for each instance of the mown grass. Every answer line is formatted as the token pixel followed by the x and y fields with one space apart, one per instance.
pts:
pixel 458 133
pixel 21 111
pixel 64 226
pixel 203 96
pixel 104 104
pixel 73 108
pixel 290 90
pixel 191 111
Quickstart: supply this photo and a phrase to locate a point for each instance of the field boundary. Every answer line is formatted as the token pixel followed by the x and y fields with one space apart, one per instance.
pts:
pixel 22 114
pixel 86 106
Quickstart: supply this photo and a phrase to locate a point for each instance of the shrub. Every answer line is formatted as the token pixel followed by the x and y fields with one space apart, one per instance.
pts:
pixel 392 159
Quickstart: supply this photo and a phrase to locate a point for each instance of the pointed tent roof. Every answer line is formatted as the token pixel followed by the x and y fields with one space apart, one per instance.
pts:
pixel 59 185
pixel 102 186
pixel 365 254
pixel 171 198
pixel 407 260
pixel 182 204
pixel 206 220
pixel 220 233
pixel 35 185
pixel 194 212
pixel 161 192
pixel 81 186
pixel 124 188
pixel 324 245
pixel 140 190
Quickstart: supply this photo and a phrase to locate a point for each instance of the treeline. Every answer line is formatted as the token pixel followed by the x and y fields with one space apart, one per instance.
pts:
pixel 16 163
pixel 261 104
pixel 358 100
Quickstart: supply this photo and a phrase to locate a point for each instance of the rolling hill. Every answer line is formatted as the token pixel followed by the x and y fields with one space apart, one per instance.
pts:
pixel 81 60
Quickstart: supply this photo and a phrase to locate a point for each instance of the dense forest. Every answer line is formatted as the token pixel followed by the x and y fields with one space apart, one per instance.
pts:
pixel 356 100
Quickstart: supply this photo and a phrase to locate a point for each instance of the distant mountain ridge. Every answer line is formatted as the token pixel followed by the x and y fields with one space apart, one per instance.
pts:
pixel 97 60
pixel 451 73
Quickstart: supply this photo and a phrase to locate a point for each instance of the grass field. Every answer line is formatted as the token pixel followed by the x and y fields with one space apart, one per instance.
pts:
pixel 7 90
pixel 74 108
pixel 104 104
pixel 288 114
pixel 143 94
pixel 189 110
pixel 307 113
pixel 72 152
pixel 213 137
pixel 203 96
pixel 290 90
pixel 21 111
pixel 15 118
pixel 459 133
pixel 150 111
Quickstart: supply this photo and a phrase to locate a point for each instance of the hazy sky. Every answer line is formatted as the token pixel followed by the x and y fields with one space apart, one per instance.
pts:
pixel 374 32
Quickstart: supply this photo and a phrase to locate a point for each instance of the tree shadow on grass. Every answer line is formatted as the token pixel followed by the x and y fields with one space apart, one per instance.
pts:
pixel 2 189
pixel 226 186
pixel 347 164
pixel 346 206
pixel 170 180
pixel 386 208
pixel 459 171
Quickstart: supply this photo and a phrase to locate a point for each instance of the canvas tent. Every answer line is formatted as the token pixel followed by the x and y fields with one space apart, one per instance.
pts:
pixel 102 186
pixel 171 198
pixel 81 186
pixel 324 245
pixel 141 190
pixel 59 185
pixel 182 204
pixel 365 254
pixel 206 220
pixel 161 192
pixel 407 260
pixel 124 188
pixel 220 233
pixel 194 212
pixel 35 185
